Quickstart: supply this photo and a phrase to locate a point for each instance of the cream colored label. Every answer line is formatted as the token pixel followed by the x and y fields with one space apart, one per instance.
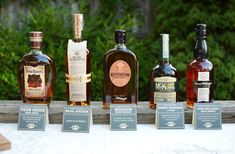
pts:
pixel 203 76
pixel 203 94
pixel 77 59
pixel 120 73
pixel 165 89
pixel 34 79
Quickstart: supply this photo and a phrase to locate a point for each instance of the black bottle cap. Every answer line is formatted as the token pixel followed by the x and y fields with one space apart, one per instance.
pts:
pixel 201 30
pixel 120 36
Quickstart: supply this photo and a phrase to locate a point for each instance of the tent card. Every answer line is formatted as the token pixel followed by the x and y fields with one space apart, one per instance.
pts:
pixel 170 116
pixel 77 119
pixel 207 116
pixel 32 117
pixel 123 117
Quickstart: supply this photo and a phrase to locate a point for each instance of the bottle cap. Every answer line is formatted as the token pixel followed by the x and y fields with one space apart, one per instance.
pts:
pixel 77 25
pixel 120 36
pixel 35 36
pixel 200 29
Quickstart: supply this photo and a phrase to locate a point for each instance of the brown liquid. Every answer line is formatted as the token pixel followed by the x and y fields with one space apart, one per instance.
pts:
pixel 192 75
pixel 162 70
pixel 114 92
pixel 37 59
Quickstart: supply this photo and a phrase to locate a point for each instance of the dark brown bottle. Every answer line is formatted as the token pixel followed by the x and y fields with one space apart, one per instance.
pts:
pixel 78 75
pixel 163 78
pixel 36 73
pixel 120 74
pixel 200 72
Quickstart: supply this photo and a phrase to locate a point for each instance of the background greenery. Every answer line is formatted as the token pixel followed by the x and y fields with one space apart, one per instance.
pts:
pixel 178 18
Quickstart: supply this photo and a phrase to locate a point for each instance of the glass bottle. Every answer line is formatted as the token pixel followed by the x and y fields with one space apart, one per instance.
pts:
pixel 36 73
pixel 200 72
pixel 78 75
pixel 120 74
pixel 163 78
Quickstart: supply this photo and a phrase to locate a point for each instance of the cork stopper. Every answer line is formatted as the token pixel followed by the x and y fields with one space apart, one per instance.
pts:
pixel 35 39
pixel 78 25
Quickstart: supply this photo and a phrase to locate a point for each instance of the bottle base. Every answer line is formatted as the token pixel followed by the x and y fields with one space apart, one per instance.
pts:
pixel 80 103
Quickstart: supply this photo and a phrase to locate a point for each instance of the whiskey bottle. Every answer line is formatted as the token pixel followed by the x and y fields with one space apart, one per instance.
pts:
pixel 36 73
pixel 200 72
pixel 120 74
pixel 78 76
pixel 163 78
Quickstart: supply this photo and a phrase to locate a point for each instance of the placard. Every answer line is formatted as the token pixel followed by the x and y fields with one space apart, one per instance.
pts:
pixel 32 117
pixel 207 116
pixel 123 117
pixel 77 119
pixel 170 116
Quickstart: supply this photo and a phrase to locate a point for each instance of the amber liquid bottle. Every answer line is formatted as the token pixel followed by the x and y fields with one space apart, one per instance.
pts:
pixel 163 78
pixel 78 75
pixel 120 74
pixel 36 73
pixel 200 72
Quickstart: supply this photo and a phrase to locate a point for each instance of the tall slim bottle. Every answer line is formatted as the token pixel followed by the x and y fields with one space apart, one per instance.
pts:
pixel 163 78
pixel 78 75
pixel 120 73
pixel 36 73
pixel 200 72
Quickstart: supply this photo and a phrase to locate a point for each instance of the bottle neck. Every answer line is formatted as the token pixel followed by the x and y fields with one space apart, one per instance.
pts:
pixel 120 46
pixel 77 39
pixel 36 47
pixel 200 51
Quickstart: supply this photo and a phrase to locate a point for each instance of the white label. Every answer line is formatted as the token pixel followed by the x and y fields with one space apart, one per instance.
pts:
pixel 77 59
pixel 203 94
pixel 165 45
pixel 203 76
pixel 34 81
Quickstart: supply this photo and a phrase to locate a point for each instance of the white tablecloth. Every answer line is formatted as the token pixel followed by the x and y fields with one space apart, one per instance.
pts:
pixel 146 140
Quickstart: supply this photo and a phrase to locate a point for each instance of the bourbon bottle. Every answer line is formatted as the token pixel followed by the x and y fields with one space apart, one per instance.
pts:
pixel 163 78
pixel 200 72
pixel 36 73
pixel 78 75
pixel 120 74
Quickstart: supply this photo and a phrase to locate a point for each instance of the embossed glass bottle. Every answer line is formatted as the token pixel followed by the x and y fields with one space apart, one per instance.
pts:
pixel 120 74
pixel 163 78
pixel 36 73
pixel 78 76
pixel 200 72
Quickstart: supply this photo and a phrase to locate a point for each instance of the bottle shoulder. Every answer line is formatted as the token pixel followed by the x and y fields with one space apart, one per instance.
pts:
pixel 36 58
pixel 164 69
pixel 201 64
pixel 121 52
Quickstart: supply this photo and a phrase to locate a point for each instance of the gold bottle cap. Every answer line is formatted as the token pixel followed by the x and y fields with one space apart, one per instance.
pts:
pixel 78 25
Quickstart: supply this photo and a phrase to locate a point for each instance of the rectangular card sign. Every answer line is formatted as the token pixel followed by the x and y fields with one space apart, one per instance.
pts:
pixel 32 117
pixel 170 116
pixel 123 117
pixel 207 116
pixel 77 119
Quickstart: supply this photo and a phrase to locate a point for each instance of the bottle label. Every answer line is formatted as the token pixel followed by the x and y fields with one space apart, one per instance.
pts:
pixel 203 86
pixel 120 73
pixel 165 89
pixel 77 68
pixel 34 79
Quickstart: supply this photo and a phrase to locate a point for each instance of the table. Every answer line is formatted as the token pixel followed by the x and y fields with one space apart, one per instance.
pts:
pixel 146 140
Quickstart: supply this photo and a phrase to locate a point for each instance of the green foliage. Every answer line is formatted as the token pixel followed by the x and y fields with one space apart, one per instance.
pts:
pixel 178 18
